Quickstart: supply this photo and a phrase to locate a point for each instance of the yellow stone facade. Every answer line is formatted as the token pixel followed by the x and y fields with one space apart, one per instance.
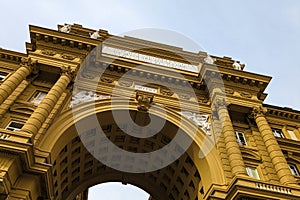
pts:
pixel 241 148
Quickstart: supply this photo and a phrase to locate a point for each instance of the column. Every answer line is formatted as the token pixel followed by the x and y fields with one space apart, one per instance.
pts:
pixel 10 84
pixel 232 147
pixel 43 110
pixel 7 103
pixel 276 155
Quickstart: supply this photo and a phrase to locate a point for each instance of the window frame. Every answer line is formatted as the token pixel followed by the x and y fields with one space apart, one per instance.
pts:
pixel 239 141
pixel 278 133
pixel 294 169
pixel 5 77
pixel 14 128
pixel 34 97
pixel 252 172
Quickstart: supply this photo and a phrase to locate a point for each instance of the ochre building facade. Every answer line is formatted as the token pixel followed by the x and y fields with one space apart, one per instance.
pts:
pixel 241 148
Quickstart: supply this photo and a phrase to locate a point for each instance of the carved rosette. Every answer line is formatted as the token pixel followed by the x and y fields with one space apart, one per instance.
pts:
pixel 84 96
pixel 200 120
pixel 257 112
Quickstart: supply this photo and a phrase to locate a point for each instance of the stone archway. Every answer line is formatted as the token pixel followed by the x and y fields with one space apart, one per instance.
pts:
pixel 74 169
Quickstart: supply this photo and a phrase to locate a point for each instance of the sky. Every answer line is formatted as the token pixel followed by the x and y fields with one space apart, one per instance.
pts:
pixel 262 34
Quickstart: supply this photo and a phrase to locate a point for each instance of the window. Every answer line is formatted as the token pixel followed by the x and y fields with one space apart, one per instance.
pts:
pixel 277 133
pixel 294 169
pixel 3 75
pixel 292 135
pixel 252 172
pixel 14 126
pixel 240 138
pixel 37 97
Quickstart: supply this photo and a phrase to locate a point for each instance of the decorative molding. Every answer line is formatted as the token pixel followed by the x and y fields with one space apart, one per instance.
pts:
pixel 273 188
pixel 200 120
pixel 84 96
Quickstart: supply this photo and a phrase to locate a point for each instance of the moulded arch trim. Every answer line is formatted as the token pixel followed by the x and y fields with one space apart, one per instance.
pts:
pixel 56 133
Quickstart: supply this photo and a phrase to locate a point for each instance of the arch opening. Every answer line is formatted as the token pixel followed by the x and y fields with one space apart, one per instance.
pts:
pixel 75 168
pixel 117 190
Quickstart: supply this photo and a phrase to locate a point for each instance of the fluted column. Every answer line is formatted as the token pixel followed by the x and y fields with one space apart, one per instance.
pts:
pixel 10 84
pixel 232 147
pixel 43 110
pixel 273 149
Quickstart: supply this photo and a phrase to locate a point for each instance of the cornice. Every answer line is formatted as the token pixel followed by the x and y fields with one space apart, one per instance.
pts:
pixel 11 56
pixel 282 112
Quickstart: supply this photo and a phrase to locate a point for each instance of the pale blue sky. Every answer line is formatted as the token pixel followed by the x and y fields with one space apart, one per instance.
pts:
pixel 263 34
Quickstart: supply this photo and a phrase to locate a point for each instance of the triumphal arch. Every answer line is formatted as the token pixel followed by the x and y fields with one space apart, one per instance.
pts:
pixel 83 107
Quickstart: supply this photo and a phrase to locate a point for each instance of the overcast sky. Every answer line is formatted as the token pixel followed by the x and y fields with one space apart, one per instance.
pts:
pixel 263 34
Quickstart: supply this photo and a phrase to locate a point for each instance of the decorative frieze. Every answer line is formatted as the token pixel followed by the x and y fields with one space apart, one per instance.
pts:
pixel 86 96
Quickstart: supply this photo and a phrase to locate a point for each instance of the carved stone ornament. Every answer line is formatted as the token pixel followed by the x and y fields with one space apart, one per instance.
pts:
pixel 125 83
pixel 257 112
pixel 32 65
pixel 184 96
pixel 166 91
pixel 48 52
pixel 203 99
pixel 200 120
pixel 236 65
pixel 94 35
pixel 68 57
pixel 86 96
pixel 209 60
pixel 144 101
pixel 229 91
pixel 68 71
pixel 106 80
pixel 66 28
pixel 245 94
pixel 88 75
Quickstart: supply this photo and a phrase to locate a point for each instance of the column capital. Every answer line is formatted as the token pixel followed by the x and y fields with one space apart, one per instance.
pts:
pixel 219 103
pixel 68 71
pixel 258 112
pixel 30 64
